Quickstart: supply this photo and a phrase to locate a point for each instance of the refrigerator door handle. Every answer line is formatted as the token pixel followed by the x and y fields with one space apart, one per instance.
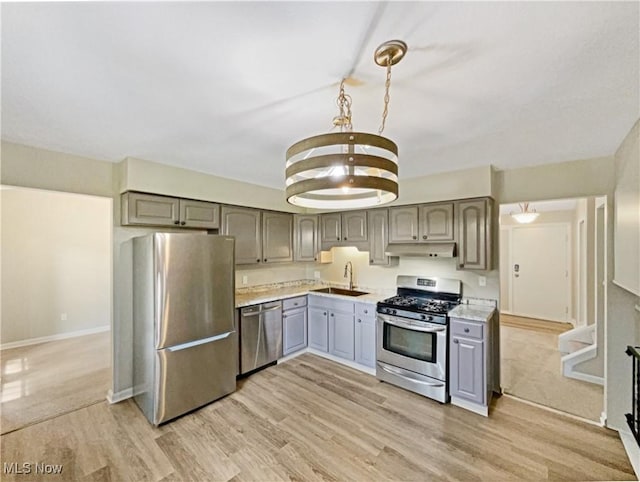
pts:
pixel 199 342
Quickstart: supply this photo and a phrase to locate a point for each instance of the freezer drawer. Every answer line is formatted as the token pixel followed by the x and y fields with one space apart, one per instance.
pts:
pixel 188 378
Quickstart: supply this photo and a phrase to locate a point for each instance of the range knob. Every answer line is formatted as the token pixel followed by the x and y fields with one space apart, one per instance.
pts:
pixel 393 312
pixel 423 317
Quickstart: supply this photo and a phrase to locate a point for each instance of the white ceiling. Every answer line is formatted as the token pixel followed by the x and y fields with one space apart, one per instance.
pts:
pixel 226 87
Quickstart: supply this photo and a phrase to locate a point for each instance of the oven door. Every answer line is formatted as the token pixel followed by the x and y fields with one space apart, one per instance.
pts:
pixel 413 345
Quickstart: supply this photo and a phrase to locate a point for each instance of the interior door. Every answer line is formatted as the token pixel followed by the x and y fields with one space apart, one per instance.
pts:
pixel 540 271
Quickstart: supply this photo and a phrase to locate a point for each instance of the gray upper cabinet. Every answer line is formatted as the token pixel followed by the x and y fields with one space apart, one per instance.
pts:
pixel 153 210
pixel 261 236
pixel 354 226
pixel 425 223
pixel 474 234
pixel 199 214
pixel 305 237
pixel 330 228
pixel 244 224
pixel 403 224
pixel 277 228
pixel 435 222
pixel 378 224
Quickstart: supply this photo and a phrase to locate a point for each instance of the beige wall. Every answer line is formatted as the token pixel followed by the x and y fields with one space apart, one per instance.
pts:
pixel 56 258
pixel 42 169
pixel 623 320
pixel 158 178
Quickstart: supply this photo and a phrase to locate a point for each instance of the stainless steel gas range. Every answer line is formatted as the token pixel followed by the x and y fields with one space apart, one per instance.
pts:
pixel 412 340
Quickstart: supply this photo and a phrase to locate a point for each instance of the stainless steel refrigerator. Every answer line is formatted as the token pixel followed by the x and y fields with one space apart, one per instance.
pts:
pixel 185 345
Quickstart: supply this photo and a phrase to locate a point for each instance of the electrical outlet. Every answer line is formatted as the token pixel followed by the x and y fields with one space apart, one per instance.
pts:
pixel 245 279
pixel 63 316
pixel 482 281
pixel 316 274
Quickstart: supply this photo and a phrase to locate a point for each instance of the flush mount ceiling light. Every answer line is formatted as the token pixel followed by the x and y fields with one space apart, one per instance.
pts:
pixel 526 215
pixel 347 169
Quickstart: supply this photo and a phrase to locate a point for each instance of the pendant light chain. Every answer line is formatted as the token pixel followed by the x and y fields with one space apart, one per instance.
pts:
pixel 387 86
pixel 343 120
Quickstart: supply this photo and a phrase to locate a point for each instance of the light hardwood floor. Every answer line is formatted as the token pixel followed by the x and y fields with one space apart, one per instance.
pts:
pixel 530 369
pixel 49 379
pixel 312 419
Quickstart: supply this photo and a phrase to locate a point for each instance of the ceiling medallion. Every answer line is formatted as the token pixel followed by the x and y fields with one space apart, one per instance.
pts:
pixel 346 169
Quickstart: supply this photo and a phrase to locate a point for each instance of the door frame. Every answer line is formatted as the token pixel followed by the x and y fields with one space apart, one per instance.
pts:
pixel 569 275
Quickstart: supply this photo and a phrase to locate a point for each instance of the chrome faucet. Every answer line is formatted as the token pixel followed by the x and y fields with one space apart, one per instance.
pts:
pixel 348 271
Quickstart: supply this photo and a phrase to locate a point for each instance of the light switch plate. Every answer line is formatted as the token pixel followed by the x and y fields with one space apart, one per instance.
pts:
pixel 245 279
pixel 482 281
pixel 316 274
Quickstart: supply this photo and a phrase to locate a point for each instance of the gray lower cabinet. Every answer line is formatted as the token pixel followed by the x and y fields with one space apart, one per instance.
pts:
pixel 154 210
pixel 342 334
pixel 305 237
pixel 294 324
pixel 468 361
pixel 365 335
pixel 318 321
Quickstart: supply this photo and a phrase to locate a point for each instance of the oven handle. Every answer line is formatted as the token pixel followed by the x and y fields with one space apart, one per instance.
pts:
pixel 410 378
pixel 409 326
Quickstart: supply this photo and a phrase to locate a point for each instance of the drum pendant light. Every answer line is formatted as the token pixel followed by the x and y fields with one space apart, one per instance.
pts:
pixel 347 169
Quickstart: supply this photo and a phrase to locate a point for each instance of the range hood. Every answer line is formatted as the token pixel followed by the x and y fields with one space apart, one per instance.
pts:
pixel 428 250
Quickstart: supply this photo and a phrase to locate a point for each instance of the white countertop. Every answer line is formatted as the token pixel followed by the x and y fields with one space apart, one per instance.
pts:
pixel 473 312
pixel 264 295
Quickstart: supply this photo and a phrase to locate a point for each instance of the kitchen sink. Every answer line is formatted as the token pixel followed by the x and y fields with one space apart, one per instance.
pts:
pixel 340 291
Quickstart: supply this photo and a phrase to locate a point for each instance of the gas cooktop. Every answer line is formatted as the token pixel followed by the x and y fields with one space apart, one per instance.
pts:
pixel 419 305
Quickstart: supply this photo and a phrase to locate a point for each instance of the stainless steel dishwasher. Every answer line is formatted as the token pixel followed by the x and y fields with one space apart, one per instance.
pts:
pixel 260 335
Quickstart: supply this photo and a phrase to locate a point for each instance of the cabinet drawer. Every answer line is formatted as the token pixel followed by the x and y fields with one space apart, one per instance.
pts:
pixel 330 303
pixel 365 310
pixel 292 303
pixel 467 329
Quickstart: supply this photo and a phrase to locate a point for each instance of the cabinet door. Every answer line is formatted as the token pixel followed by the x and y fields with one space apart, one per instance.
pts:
pixel 354 226
pixel 378 226
pixel 472 232
pixel 294 330
pixel 148 209
pixel 341 335
pixel 467 369
pixel 318 328
pixel 277 237
pixel 244 225
pixel 305 238
pixel 436 222
pixel 403 224
pixel 365 332
pixel 199 214
pixel 330 228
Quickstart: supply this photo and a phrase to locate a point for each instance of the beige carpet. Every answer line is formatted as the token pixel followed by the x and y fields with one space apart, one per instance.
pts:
pixel 49 379
pixel 531 370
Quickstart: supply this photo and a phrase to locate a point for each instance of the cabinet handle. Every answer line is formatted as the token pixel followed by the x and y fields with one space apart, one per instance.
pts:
pixel 345 238
pixel 424 236
pixel 462 265
pixel 176 222
pixel 315 259
pixel 183 223
pixel 455 341
pixel 359 320
pixel 415 237
pixel 257 260
pixel 338 238
pixel 366 311
pixel 295 304
pixel 325 313
pixel 466 330
pixel 265 260
pixel 370 261
pixel 332 314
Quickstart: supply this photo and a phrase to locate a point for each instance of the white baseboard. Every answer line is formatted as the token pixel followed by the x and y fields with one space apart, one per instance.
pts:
pixel 60 336
pixel 632 449
pixel 471 406
pixel 119 396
